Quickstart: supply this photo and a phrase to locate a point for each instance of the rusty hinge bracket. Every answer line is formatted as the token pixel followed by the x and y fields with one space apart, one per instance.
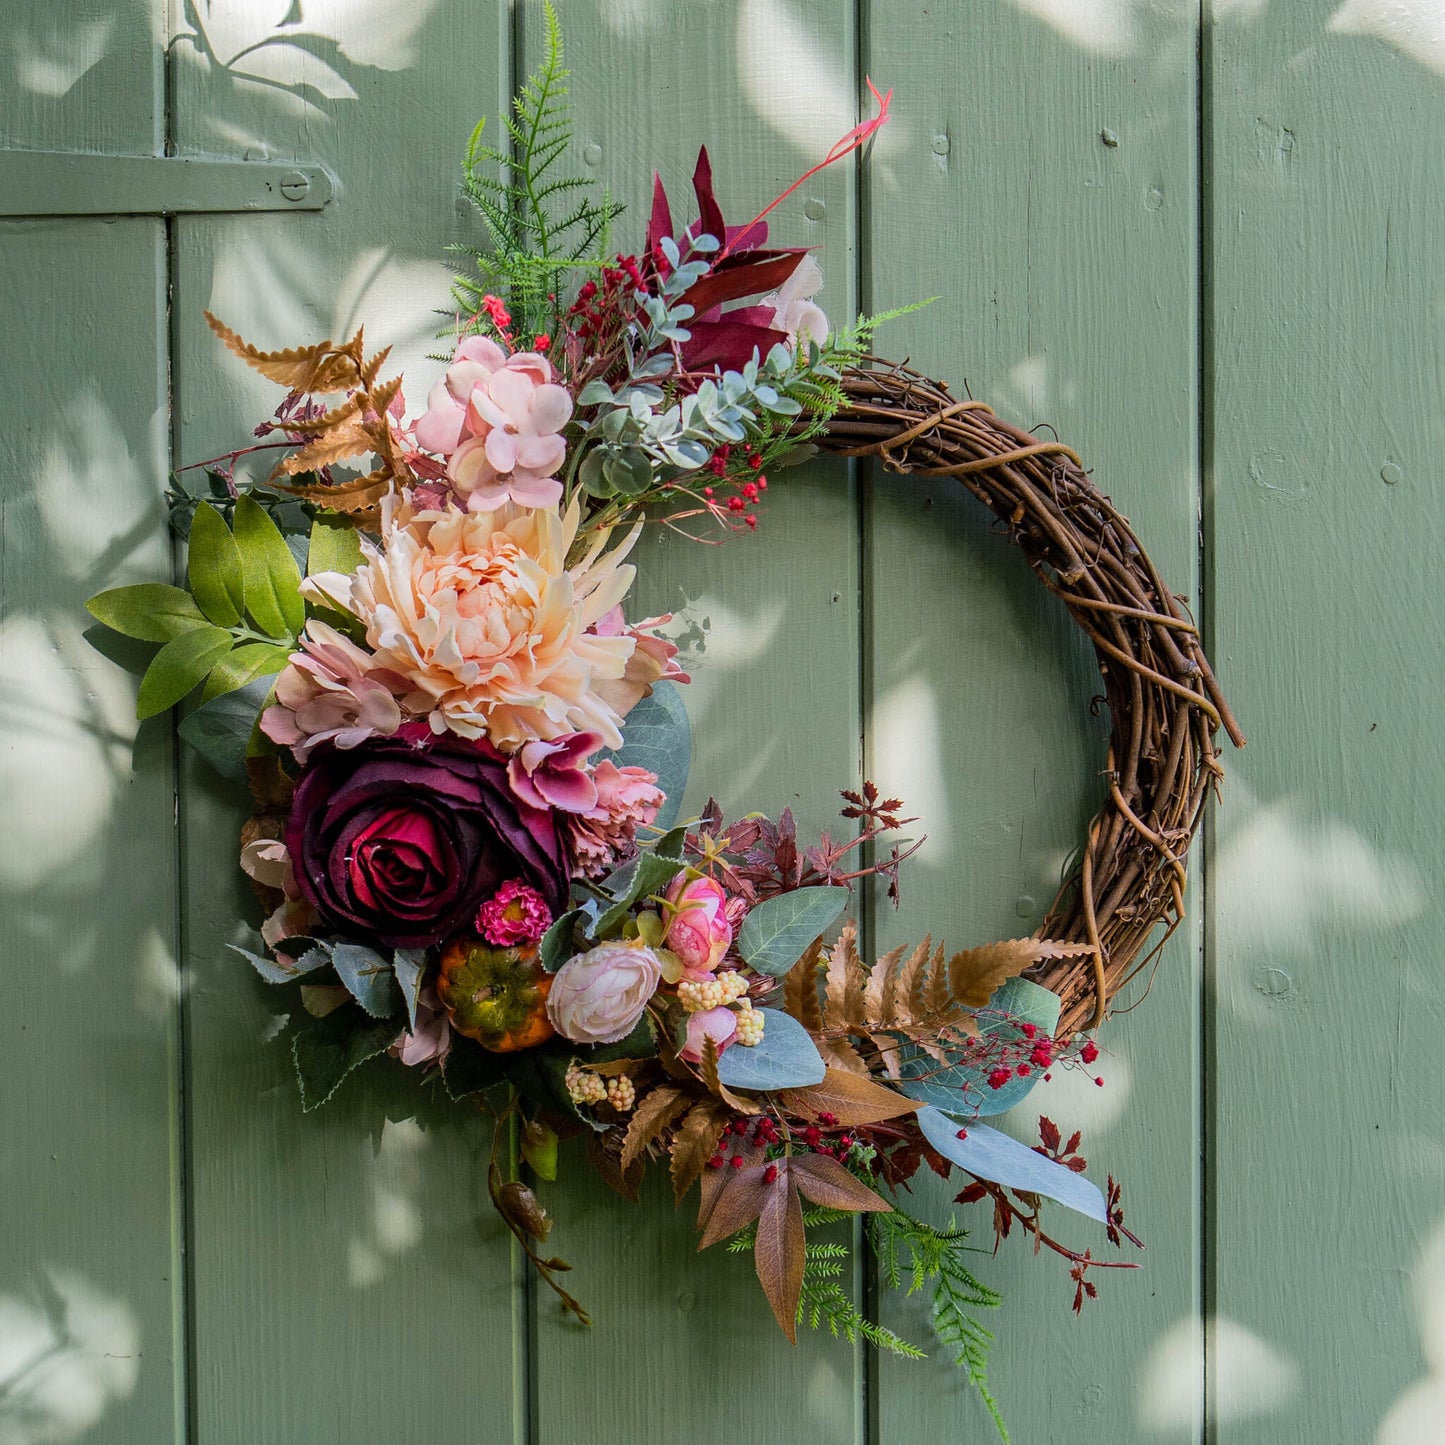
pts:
pixel 67 183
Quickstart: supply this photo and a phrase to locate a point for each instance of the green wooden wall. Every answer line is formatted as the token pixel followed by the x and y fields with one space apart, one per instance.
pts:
pixel 1203 242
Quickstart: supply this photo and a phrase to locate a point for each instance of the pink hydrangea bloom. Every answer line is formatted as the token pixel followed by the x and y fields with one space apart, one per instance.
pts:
pixel 627 799
pixel 553 774
pixel 498 420
pixel 719 1024
pixel 332 691
pixel 515 915
pixel 698 931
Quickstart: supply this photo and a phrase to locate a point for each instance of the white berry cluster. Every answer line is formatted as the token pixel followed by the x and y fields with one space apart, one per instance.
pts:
pixel 620 1093
pixel 583 1086
pixel 750 1025
pixel 717 992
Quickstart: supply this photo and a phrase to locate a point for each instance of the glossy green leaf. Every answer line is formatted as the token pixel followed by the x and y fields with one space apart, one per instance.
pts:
pixel 245 664
pixel 150 611
pixel 213 568
pixel 785 1058
pixel 221 729
pixel 777 931
pixel 335 545
pixel 272 577
pixel 557 944
pixel 179 666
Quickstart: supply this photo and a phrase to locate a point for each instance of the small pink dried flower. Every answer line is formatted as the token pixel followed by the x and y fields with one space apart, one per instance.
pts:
pixel 515 915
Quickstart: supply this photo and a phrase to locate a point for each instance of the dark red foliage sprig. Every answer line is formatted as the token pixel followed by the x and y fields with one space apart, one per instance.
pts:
pixel 757 858
pixel 1012 1207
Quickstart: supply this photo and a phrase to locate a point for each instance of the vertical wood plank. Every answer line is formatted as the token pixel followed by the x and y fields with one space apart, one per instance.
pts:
pixel 1065 263
pixel 767 85
pixel 90 1184
pixel 350 1282
pixel 1328 125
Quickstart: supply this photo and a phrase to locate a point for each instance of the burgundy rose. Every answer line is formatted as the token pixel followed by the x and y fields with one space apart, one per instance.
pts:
pixel 403 838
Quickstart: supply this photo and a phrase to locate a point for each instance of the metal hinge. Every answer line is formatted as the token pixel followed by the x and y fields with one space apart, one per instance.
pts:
pixel 66 183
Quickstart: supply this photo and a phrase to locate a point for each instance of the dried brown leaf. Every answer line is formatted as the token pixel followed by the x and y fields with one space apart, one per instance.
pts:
pixel 913 986
pixel 352 439
pixel 693 1145
pixel 316 369
pixel 778 1254
pixel 846 980
pixel 739 1201
pixel 653 1112
pixel 826 1182
pixel 603 1151
pixel 974 974
pixel 879 991
pixel 853 1098
pixel 715 1086
pixel 800 989
pixel 843 1054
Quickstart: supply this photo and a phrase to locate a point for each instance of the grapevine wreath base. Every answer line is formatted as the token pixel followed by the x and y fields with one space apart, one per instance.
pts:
pixel 468 763
pixel 1165 704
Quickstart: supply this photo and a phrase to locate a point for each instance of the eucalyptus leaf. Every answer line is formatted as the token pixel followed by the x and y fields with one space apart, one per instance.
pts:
pixel 776 933
pixel 408 964
pixel 213 567
pixel 179 666
pixel 275 972
pixel 150 611
pixel 326 1050
pixel 989 1154
pixel 785 1058
pixel 368 976
pixel 963 1088
pixel 272 576
pixel 656 735
pixel 221 729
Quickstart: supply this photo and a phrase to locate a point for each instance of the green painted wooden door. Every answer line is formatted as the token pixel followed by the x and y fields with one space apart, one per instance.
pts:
pixel 1204 245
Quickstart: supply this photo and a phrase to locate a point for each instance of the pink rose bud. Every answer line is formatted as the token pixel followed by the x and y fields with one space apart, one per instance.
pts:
pixel 718 1024
pixel 698 932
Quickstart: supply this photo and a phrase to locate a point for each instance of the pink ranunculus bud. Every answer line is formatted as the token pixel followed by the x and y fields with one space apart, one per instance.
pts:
pixel 698 931
pixel 597 997
pixel 718 1024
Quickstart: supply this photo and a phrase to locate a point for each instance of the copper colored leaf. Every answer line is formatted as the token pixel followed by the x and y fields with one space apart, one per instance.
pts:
pixel 778 1253
pixel 843 1054
pixel 715 1086
pixel 913 984
pixel 602 1151
pixel 348 440
pixel 800 989
pixel 739 1201
pixel 710 1184
pixel 974 974
pixel 654 1111
pixel 843 995
pixel 878 994
pixel 852 1098
pixel 825 1181
pixel 302 368
pixel 693 1145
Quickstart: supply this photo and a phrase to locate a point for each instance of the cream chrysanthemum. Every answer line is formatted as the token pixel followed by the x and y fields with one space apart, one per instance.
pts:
pixel 482 615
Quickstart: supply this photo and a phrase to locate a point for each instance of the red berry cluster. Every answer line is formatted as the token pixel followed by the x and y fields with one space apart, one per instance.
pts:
pixel 748 492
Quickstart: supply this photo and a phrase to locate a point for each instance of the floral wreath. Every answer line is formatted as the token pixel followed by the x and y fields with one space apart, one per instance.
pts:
pixel 467 765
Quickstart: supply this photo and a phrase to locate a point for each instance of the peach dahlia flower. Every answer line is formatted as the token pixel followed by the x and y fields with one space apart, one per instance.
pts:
pixel 480 613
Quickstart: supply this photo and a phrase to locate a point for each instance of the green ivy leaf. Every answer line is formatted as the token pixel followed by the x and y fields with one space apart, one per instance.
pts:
pixel 179 666
pixel 271 574
pixel 213 568
pixel 244 664
pixel 335 546
pixel 150 611
pixel 326 1050
pixel 778 930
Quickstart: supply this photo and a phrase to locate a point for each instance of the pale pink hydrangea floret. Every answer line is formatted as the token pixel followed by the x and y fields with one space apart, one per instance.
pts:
pixel 514 915
pixel 653 660
pixel 332 691
pixel 498 420
pixel 627 799
pixel 553 774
